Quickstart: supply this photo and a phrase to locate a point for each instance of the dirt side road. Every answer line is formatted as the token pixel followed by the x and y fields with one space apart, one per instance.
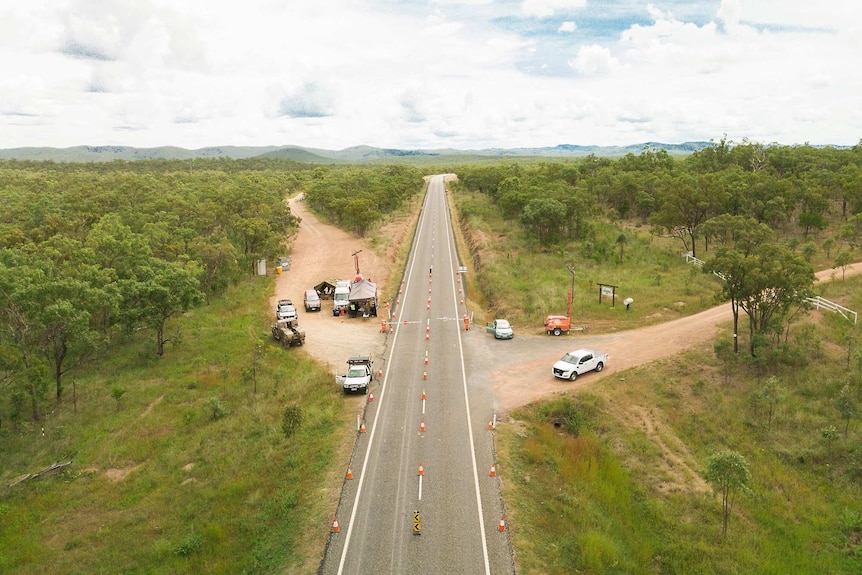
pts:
pixel 521 374
pixel 321 251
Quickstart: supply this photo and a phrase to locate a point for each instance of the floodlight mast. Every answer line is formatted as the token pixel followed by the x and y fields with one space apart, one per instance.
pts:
pixel 356 260
pixel 571 293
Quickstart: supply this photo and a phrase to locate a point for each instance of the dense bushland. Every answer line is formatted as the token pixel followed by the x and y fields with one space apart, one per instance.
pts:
pixel 762 217
pixel 197 446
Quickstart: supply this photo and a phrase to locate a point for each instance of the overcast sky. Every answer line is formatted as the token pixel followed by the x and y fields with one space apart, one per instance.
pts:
pixel 424 74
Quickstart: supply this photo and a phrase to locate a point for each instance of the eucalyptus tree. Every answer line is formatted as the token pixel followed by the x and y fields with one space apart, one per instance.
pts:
pixel 729 475
pixel 684 202
pixel 737 238
pixel 157 291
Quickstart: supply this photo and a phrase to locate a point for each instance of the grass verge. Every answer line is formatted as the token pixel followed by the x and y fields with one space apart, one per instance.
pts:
pixel 189 469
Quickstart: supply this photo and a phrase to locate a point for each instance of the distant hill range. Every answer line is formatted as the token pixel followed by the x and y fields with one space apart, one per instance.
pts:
pixel 356 154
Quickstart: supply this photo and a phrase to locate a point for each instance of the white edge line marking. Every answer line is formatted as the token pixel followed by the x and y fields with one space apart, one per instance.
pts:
pixel 469 419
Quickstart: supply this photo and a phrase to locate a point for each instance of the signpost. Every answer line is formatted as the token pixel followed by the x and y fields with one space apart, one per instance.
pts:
pixel 608 289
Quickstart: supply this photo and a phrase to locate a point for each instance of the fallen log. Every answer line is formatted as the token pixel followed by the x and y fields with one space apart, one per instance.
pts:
pixel 53 468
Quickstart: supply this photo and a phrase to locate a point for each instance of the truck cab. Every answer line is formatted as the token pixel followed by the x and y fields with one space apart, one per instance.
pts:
pixel 340 297
pixel 359 374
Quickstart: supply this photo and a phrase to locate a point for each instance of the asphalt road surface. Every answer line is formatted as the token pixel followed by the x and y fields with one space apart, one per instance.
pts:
pixel 428 410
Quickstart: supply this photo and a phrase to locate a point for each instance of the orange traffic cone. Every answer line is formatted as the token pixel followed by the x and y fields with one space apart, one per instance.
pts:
pixel 362 428
pixel 335 527
pixel 349 473
pixel 425 375
pixel 422 425
pixel 421 469
pixel 493 470
pixel 490 425
pixel 423 395
pixel 380 372
pixel 502 526
pixel 371 396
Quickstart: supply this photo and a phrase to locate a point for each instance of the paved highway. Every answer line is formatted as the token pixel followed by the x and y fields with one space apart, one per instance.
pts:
pixel 445 518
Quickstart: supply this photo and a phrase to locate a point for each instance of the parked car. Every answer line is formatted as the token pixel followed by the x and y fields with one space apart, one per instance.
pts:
pixel 285 310
pixel 578 362
pixel 312 300
pixel 501 329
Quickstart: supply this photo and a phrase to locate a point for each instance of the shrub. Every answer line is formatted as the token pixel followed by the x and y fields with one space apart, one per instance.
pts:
pixel 291 420
pixel 215 408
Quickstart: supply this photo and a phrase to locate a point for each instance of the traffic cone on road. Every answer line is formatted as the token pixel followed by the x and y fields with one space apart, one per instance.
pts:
pixel 349 473
pixel 502 526
pixel 424 375
pixel 493 470
pixel 371 396
pixel 362 428
pixel 335 527
pixel 423 395
pixel 490 425
pixel 422 425
pixel 421 469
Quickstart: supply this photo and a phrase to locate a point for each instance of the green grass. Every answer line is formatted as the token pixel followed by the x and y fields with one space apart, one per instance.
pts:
pixel 595 499
pixel 525 282
pixel 211 483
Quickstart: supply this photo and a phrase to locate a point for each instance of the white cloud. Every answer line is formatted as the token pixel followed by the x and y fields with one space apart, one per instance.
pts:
pixel 730 12
pixel 545 8
pixel 593 60
pixel 335 74
pixel 827 14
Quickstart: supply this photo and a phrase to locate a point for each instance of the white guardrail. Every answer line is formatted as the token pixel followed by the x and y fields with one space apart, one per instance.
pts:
pixel 699 262
pixel 818 302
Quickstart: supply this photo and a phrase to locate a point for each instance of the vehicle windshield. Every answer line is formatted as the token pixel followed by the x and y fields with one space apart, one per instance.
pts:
pixel 356 372
pixel 312 297
pixel 502 324
pixel 569 358
pixel 341 296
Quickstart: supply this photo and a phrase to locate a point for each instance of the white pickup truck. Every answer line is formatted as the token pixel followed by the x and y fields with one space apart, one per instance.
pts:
pixel 578 362
pixel 358 376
